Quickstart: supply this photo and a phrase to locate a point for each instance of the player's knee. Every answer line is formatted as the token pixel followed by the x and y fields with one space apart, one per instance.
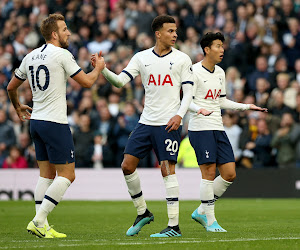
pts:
pixel 126 168
pixel 230 177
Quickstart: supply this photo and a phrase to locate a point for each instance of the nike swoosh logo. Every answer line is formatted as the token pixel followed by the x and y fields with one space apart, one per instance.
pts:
pixel 146 65
pixel 205 81
pixel 40 232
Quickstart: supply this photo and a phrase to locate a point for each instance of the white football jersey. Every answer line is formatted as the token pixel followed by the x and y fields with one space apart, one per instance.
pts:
pixel 47 69
pixel 208 88
pixel 162 77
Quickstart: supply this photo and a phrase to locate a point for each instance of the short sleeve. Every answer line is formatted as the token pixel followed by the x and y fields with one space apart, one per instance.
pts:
pixel 187 76
pixel 69 64
pixel 20 72
pixel 133 67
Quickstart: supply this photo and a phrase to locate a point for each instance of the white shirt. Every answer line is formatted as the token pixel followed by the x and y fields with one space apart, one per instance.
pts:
pixel 210 94
pixel 162 77
pixel 208 87
pixel 47 69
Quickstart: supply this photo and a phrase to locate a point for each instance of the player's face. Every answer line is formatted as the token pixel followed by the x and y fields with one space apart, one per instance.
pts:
pixel 216 51
pixel 63 34
pixel 167 34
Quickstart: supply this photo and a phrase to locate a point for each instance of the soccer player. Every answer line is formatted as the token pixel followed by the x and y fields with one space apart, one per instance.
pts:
pixel 164 71
pixel 47 69
pixel 206 133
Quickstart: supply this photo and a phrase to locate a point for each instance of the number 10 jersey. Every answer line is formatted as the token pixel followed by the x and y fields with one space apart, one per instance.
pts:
pixel 47 69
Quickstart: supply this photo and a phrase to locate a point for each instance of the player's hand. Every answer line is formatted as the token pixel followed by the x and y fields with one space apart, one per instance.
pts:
pixel 23 112
pixel 174 123
pixel 97 60
pixel 204 112
pixel 254 107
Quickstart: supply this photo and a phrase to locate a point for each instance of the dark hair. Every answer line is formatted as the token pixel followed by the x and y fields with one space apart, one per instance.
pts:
pixel 159 21
pixel 208 38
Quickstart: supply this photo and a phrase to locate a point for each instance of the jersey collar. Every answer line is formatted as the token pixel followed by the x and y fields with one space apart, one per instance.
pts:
pixel 208 69
pixel 162 55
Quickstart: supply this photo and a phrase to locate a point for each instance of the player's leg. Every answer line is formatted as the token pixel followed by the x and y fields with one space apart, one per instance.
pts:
pixel 53 143
pixel 137 147
pixel 225 179
pixel 47 175
pixel 54 194
pixel 225 164
pixel 205 146
pixel 168 151
pixel 132 179
pixel 172 193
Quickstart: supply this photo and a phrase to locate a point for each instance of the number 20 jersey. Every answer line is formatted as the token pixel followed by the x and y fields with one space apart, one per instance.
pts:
pixel 162 77
pixel 47 69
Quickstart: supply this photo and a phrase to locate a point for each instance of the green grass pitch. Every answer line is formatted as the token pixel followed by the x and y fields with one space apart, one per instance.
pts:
pixel 251 224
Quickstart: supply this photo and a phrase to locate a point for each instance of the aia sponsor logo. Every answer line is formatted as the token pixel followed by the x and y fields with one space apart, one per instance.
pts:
pixel 160 80
pixel 213 94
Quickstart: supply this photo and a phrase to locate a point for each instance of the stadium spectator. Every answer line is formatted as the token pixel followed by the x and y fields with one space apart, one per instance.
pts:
pixel 7 136
pixel 126 122
pixel 15 159
pixel 83 142
pixel 284 143
pixel 263 155
pixel 260 72
pixel 97 156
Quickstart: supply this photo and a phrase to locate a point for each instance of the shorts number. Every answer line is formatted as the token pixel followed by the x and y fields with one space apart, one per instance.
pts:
pixel 172 145
pixel 37 76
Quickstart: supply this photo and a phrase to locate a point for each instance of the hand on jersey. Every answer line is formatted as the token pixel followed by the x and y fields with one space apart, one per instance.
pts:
pixel 254 107
pixel 23 112
pixel 204 112
pixel 97 60
pixel 174 123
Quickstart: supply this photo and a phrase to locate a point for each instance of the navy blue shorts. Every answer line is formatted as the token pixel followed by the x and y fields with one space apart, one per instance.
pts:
pixel 144 138
pixel 53 142
pixel 211 146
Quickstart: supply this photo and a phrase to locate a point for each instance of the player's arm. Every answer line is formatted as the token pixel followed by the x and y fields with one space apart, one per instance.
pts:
pixel 87 80
pixel 12 90
pixel 228 104
pixel 117 80
pixel 175 121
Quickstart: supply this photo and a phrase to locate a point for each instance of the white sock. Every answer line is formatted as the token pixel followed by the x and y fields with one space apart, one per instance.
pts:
pixel 135 191
pixel 172 190
pixel 207 200
pixel 52 197
pixel 220 186
pixel 39 193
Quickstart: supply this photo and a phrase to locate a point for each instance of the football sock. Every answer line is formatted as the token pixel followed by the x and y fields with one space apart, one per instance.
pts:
pixel 39 193
pixel 52 197
pixel 135 191
pixel 172 191
pixel 207 200
pixel 220 186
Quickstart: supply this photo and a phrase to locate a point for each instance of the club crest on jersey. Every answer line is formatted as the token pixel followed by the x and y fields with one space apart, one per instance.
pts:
pixel 159 81
pixel 171 64
pixel 213 95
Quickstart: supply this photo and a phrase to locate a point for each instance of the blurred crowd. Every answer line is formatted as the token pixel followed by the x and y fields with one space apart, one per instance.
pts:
pixel 262 65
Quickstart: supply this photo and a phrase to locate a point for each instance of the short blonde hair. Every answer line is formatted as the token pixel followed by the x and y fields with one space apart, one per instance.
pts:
pixel 50 24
